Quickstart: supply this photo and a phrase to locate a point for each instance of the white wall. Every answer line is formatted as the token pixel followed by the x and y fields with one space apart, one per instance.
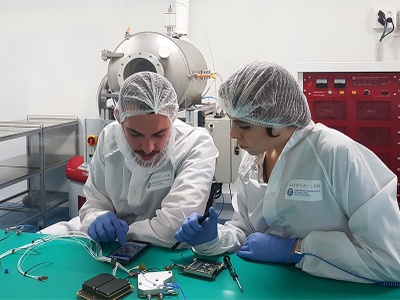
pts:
pixel 50 50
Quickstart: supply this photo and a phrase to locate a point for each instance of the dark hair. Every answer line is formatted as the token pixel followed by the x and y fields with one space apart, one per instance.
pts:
pixel 269 132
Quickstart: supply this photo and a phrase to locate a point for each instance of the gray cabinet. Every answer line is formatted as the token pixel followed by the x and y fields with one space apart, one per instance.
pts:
pixel 33 156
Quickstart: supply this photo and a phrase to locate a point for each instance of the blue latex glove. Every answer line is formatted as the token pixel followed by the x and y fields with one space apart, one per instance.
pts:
pixel 267 248
pixel 107 228
pixel 193 233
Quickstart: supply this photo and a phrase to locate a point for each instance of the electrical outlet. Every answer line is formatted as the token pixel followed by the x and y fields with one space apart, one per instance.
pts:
pixel 398 20
pixel 387 11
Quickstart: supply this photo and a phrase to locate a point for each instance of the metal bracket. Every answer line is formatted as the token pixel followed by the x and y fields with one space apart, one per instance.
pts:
pixel 156 284
pixel 106 54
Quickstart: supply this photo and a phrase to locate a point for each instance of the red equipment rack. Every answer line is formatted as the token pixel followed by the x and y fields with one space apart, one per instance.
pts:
pixel 363 105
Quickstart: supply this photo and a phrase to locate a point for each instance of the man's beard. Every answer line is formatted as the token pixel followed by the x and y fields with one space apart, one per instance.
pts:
pixel 161 158
pixel 150 162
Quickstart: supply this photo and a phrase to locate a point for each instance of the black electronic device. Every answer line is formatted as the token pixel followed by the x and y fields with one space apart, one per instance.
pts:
pixel 104 286
pixel 130 251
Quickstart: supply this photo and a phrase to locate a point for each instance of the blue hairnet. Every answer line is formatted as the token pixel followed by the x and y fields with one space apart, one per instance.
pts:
pixel 144 93
pixel 264 94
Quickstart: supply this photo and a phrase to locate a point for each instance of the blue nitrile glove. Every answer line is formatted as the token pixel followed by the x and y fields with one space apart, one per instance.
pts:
pixel 193 233
pixel 267 247
pixel 107 228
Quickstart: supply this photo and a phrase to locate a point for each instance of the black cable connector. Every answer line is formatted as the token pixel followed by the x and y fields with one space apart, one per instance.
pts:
pixel 381 18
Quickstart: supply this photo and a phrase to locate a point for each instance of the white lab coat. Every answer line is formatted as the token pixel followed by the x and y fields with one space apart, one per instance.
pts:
pixel 332 192
pixel 153 204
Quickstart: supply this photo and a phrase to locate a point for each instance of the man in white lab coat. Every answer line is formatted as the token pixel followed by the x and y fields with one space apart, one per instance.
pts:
pixel 150 170
pixel 306 194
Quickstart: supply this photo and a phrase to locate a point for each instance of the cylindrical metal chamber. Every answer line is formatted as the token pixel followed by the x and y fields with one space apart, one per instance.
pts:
pixel 177 60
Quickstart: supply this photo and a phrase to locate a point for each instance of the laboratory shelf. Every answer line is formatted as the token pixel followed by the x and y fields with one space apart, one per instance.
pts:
pixel 10 175
pixel 26 206
pixel 9 133
pixel 40 148
pixel 31 200
pixel 11 218
pixel 32 161
pixel 21 167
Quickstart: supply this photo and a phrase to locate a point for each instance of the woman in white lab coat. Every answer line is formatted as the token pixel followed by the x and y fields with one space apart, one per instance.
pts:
pixel 306 194
pixel 150 170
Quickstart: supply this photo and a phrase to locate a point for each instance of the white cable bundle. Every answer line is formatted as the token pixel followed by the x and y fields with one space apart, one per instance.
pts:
pixel 75 237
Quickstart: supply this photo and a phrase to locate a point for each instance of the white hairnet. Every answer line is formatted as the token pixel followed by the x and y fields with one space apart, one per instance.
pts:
pixel 264 94
pixel 145 93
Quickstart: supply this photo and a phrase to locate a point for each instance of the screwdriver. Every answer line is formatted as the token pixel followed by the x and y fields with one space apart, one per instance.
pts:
pixel 227 261
pixel 201 220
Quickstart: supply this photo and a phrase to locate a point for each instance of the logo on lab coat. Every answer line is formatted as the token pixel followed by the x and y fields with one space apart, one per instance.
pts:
pixel 304 190
pixel 159 180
